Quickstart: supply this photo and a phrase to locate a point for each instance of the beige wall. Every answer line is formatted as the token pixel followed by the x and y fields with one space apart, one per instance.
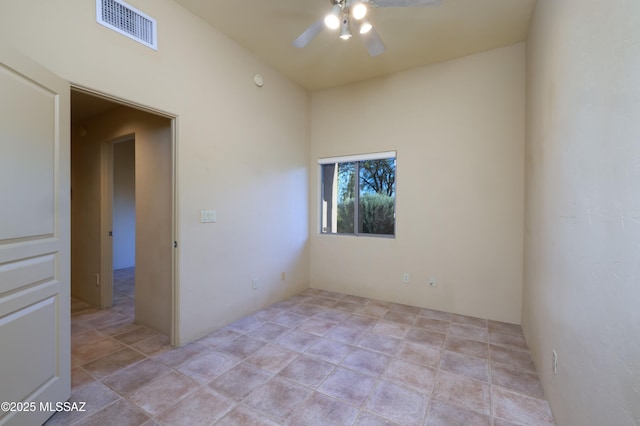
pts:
pixel 582 292
pixel 152 136
pixel 458 128
pixel 242 150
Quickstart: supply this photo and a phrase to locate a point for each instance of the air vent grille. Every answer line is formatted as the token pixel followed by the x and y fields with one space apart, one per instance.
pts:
pixel 125 19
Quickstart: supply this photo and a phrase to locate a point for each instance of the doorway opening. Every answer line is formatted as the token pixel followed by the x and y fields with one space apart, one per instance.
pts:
pixel 123 221
pixel 123 209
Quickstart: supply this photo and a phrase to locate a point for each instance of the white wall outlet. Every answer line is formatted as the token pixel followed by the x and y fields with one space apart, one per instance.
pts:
pixel 554 362
pixel 208 216
pixel 433 282
pixel 97 280
pixel 254 283
pixel 405 278
pixel 283 276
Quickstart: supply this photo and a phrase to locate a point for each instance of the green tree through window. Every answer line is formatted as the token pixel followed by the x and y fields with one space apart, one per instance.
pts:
pixel 359 189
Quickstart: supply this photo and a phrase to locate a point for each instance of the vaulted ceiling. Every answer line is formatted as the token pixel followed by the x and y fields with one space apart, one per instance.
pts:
pixel 413 36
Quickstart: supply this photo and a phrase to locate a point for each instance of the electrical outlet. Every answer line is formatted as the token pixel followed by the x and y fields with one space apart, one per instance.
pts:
pixel 254 283
pixel 433 282
pixel 554 362
pixel 97 280
pixel 283 276
pixel 405 278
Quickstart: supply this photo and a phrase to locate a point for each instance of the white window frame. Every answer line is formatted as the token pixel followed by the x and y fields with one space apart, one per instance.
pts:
pixel 354 158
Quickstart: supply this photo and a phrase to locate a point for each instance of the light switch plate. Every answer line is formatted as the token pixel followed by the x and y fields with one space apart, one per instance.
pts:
pixel 207 216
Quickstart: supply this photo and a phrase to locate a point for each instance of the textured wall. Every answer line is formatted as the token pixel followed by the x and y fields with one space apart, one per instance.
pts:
pixel 241 150
pixel 458 128
pixel 582 241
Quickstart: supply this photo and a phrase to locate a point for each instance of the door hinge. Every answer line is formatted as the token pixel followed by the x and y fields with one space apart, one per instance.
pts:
pixel 175 244
pixel 111 233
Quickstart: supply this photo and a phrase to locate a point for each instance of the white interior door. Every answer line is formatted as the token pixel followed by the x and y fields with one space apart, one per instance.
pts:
pixel 34 239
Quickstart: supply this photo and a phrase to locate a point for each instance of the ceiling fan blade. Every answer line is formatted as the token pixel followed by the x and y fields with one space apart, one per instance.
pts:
pixel 374 43
pixel 404 3
pixel 309 34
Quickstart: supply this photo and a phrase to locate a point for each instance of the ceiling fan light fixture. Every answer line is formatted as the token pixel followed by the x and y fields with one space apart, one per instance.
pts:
pixel 332 20
pixel 358 10
pixel 345 31
pixel 365 26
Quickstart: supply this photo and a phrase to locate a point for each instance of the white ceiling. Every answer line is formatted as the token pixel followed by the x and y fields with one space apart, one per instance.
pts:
pixel 413 36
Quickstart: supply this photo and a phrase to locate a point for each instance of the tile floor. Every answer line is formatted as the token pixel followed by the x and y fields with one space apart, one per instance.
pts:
pixel 318 358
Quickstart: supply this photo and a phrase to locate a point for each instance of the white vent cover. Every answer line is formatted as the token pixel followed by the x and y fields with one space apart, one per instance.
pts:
pixel 128 21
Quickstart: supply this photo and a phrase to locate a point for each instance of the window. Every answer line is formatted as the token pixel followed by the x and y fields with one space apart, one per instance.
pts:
pixel 358 194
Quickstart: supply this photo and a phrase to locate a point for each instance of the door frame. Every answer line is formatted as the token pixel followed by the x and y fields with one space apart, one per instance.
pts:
pixel 106 242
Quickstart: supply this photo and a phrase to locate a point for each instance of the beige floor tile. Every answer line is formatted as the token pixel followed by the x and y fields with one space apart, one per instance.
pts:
pixel 464 392
pixel 95 395
pixel 512 341
pixel 329 350
pixel 201 408
pixel 121 413
pixel 432 324
pixel 307 371
pixel 296 340
pixel 390 329
pixel 163 392
pixel 366 361
pixel 520 408
pixel 474 368
pixel 443 414
pixel 516 379
pixel 175 357
pixel 470 332
pixel 515 358
pixel 79 377
pixel 154 345
pixel 411 375
pixel 207 367
pixel 506 328
pixel 277 398
pixel 219 337
pixel 243 416
pixel 345 334
pixel 321 410
pixel 398 404
pixel 420 354
pixel 369 419
pixel 349 386
pixel 268 331
pixel 113 362
pixel 380 343
pixel 136 335
pixel 427 337
pixel 271 358
pixel 318 357
pixel 132 378
pixel 316 326
pixel 241 380
pixel 241 347
pixel 403 318
pixel 96 350
pixel 463 319
pixel 467 347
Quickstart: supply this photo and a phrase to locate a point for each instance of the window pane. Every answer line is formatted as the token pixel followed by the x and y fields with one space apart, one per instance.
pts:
pixel 377 197
pixel 338 194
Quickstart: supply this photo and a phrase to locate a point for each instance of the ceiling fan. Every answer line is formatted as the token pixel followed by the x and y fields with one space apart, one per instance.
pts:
pixel 344 13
